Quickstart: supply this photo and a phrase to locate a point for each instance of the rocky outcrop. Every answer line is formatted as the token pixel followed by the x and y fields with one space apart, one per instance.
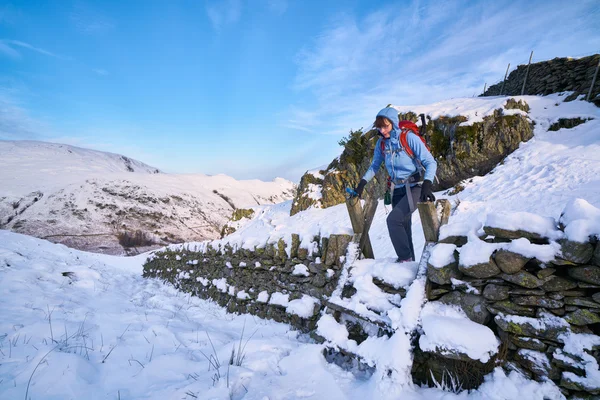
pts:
pixel 461 152
pixel 552 76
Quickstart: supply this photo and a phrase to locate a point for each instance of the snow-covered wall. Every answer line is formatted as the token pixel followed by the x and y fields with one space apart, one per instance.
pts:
pixel 280 282
pixel 534 282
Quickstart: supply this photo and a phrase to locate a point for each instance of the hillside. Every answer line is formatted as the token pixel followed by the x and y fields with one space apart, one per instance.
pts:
pixel 125 352
pixel 85 198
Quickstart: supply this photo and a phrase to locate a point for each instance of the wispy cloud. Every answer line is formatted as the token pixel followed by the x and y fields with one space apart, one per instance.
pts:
pixel 100 71
pixel 427 51
pixel 11 44
pixel 222 13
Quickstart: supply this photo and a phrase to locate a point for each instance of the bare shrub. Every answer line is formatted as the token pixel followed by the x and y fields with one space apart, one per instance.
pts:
pixel 135 239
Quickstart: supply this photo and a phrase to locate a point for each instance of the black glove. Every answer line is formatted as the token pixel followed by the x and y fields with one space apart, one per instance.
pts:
pixel 361 186
pixel 426 193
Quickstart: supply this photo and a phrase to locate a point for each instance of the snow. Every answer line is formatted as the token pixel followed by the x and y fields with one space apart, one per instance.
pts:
pixel 69 191
pixel 476 251
pixel 144 321
pixel 581 220
pixel 302 307
pixel 580 345
pixel 280 299
pixel 524 221
pixel 442 255
pixel 447 328
pixel 300 270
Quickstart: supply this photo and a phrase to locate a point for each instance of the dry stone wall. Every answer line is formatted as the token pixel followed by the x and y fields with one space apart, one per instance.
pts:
pixel 282 282
pixel 532 305
pixel 552 76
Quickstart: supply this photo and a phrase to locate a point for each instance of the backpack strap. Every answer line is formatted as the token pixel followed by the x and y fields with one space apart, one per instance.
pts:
pixel 404 143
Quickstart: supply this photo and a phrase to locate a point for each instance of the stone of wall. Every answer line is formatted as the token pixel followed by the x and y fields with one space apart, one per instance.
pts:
pixel 552 76
pixel 279 282
pixel 532 306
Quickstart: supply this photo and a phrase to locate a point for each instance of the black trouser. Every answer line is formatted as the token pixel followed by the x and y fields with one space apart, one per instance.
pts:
pixel 399 222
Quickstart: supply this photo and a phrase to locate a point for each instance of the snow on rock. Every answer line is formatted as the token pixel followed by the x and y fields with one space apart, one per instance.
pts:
pixel 442 255
pixel 581 220
pixel 303 307
pixel 446 328
pixel 476 251
pixel 280 299
pixel 398 275
pixel 524 221
pixel 300 270
pixel 581 345
pixel 331 330
pixel 263 296
pixel 459 229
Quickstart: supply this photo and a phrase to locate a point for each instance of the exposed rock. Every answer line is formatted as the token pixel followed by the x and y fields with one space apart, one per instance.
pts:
pixel 434 294
pixel 524 279
pixel 508 234
pixel 596 297
pixel 596 256
pixel 539 327
pixel 472 305
pixel 579 253
pixel 573 293
pixel 527 292
pixel 582 317
pixel 551 76
pixel 582 302
pixel 588 274
pixel 508 307
pixel 537 301
pixel 481 271
pixel 546 272
pixel 567 382
pixel 525 342
pixel 456 240
pixel 509 262
pixel 534 361
pixel 557 283
pixel 443 275
pixel 496 292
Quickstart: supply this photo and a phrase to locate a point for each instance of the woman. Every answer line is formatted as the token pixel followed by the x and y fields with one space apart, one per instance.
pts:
pixel 405 173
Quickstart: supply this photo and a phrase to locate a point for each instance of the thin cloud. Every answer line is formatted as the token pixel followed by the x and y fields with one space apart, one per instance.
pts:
pixel 18 43
pixel 222 13
pixel 100 71
pixel 358 65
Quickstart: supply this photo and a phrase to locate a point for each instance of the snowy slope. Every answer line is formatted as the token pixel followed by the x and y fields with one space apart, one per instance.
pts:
pixel 157 335
pixel 83 198
pixel 540 177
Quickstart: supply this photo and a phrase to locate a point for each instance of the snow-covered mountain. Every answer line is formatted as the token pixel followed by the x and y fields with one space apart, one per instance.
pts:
pixel 79 325
pixel 85 198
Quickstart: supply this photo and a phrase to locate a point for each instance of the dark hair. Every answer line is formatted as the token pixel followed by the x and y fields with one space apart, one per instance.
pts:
pixel 382 121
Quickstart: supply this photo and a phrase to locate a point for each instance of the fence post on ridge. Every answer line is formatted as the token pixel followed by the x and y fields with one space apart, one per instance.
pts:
pixel 526 73
pixel 504 81
pixel 593 81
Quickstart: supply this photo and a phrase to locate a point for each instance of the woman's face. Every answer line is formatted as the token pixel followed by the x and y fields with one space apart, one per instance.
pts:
pixel 385 130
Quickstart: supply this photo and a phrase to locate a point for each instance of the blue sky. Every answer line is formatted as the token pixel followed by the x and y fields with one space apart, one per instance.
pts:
pixel 256 88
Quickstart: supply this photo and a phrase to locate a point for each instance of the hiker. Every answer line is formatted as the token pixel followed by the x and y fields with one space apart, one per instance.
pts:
pixel 406 174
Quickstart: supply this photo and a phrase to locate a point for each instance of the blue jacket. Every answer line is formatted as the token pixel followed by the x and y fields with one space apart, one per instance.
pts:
pixel 399 164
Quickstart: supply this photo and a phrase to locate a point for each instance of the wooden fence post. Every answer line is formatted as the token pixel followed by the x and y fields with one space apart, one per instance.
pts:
pixel 593 81
pixel 526 73
pixel 504 81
